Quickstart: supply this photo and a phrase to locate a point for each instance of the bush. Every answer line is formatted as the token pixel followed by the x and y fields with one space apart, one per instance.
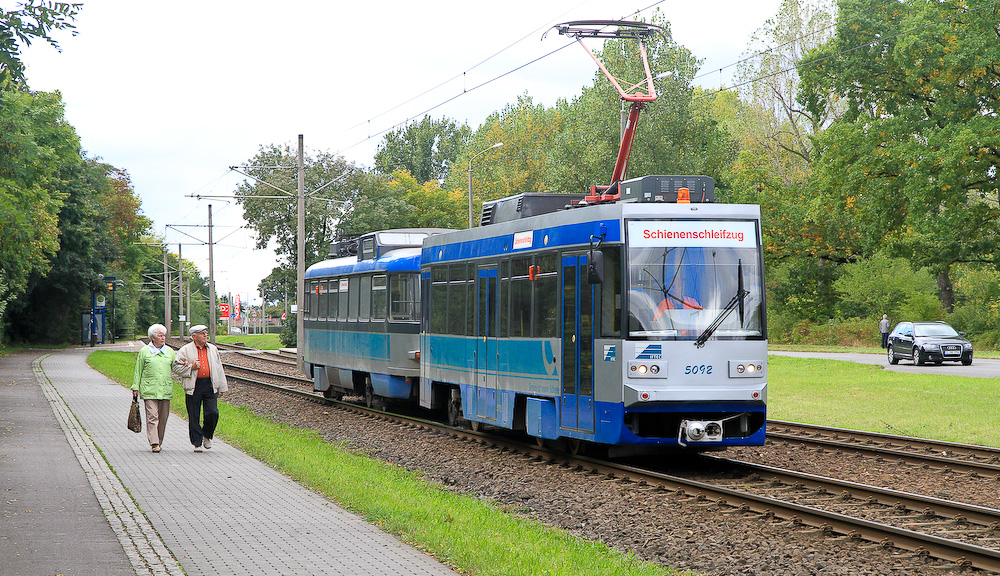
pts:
pixel 850 332
pixel 289 332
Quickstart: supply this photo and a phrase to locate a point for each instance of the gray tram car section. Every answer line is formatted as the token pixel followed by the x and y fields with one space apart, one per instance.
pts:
pixel 346 355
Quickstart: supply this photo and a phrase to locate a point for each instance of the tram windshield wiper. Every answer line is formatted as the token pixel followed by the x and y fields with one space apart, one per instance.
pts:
pixel 737 301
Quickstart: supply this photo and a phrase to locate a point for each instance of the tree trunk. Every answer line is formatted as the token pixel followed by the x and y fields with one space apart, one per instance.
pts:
pixel 946 292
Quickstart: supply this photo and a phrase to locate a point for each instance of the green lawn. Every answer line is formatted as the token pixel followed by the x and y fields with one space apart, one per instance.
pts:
pixel 260 341
pixel 867 397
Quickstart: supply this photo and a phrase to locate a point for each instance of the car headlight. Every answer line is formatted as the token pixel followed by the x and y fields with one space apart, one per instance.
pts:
pixel 967 346
pixel 928 347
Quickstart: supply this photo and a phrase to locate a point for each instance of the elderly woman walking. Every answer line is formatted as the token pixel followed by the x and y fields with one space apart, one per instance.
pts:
pixel 153 382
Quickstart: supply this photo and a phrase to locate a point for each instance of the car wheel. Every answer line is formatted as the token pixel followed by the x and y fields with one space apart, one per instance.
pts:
pixel 891 355
pixel 967 361
pixel 918 356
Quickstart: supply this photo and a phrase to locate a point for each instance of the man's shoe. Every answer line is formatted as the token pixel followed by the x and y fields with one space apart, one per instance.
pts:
pixel 207 444
pixel 156 447
pixel 197 448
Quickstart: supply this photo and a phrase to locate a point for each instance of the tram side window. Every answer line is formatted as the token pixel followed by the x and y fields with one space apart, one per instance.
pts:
pixel 378 297
pixel 520 298
pixel 324 302
pixel 505 299
pixel 404 297
pixel 546 297
pixel 333 299
pixel 458 301
pixel 365 296
pixel 342 298
pixel 313 300
pixel 611 293
pixel 368 248
pixel 354 299
pixel 439 299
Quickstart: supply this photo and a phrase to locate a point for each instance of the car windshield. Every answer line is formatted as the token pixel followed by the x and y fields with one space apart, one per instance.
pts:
pixel 942 330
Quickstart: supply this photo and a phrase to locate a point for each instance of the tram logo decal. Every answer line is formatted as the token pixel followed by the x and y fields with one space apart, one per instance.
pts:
pixel 547 353
pixel 610 352
pixel 523 240
pixel 652 352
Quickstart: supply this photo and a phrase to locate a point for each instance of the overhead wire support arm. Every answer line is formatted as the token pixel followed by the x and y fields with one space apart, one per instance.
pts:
pixel 637 95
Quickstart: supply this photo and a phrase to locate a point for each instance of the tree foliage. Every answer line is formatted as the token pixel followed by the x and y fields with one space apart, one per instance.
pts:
pixel 34 143
pixel 331 184
pixel 773 123
pixel 400 201
pixel 917 157
pixel 426 149
pixel 526 130
pixel 35 19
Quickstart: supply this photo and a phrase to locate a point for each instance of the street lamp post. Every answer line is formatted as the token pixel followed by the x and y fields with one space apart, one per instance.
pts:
pixel 497 145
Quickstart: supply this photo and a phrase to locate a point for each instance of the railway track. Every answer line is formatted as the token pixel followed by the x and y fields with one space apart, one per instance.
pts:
pixel 964 534
pixel 944 456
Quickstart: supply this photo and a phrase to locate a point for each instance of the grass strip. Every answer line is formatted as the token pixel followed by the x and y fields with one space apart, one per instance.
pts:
pixel 474 536
pixel 869 397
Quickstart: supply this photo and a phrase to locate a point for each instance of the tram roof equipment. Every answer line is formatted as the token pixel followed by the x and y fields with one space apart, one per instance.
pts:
pixel 636 95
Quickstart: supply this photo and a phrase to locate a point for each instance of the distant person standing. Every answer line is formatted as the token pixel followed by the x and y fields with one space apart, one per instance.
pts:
pixel 153 381
pixel 200 368
pixel 883 327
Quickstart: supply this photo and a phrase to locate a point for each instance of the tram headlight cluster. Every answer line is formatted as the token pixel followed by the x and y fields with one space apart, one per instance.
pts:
pixel 647 370
pixel 747 368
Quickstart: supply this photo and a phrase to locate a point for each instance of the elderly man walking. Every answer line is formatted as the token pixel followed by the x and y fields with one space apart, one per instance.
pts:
pixel 199 367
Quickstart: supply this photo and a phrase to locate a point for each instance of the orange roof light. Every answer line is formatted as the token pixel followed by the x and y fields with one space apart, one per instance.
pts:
pixel 683 196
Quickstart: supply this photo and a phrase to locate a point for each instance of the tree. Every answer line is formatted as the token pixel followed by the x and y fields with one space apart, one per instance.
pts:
pixel 427 149
pixel 773 123
pixel 36 19
pixel 918 149
pixel 527 131
pixel 273 169
pixel 399 201
pixel 35 144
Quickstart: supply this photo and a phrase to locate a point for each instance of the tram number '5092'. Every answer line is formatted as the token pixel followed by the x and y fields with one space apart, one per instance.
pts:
pixel 702 369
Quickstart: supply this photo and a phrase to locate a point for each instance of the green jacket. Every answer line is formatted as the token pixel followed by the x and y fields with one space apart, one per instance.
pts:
pixel 152 376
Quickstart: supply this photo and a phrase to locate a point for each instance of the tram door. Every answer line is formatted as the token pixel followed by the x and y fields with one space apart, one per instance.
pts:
pixel 487 353
pixel 577 409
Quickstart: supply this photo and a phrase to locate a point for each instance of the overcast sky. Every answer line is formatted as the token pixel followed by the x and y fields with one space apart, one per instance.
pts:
pixel 177 92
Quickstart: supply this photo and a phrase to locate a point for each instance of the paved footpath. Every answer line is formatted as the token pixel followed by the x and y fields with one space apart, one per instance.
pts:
pixel 83 495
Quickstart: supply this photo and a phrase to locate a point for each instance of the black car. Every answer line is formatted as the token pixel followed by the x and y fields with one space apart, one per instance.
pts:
pixel 924 342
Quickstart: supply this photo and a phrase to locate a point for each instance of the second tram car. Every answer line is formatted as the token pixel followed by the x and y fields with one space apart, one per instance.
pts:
pixel 362 316
pixel 638 322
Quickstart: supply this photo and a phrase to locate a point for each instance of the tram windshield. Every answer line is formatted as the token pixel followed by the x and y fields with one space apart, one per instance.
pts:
pixel 687 276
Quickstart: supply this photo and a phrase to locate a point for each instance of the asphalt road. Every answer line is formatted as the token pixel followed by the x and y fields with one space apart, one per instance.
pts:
pixel 980 368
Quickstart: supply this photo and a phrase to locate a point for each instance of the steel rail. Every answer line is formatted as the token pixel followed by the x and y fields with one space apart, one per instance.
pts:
pixel 894 440
pixel 911 457
pixel 980 515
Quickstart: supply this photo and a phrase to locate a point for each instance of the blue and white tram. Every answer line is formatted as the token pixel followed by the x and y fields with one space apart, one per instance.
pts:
pixel 362 317
pixel 638 322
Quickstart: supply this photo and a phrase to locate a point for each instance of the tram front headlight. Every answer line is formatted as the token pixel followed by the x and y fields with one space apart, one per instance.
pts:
pixel 647 369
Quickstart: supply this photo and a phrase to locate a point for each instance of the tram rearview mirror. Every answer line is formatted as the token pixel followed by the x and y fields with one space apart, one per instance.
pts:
pixel 595 267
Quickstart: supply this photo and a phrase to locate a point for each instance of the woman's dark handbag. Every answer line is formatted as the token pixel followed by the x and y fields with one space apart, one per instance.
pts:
pixel 134 420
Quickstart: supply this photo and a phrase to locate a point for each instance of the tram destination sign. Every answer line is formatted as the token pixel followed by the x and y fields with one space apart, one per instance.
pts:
pixel 707 233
